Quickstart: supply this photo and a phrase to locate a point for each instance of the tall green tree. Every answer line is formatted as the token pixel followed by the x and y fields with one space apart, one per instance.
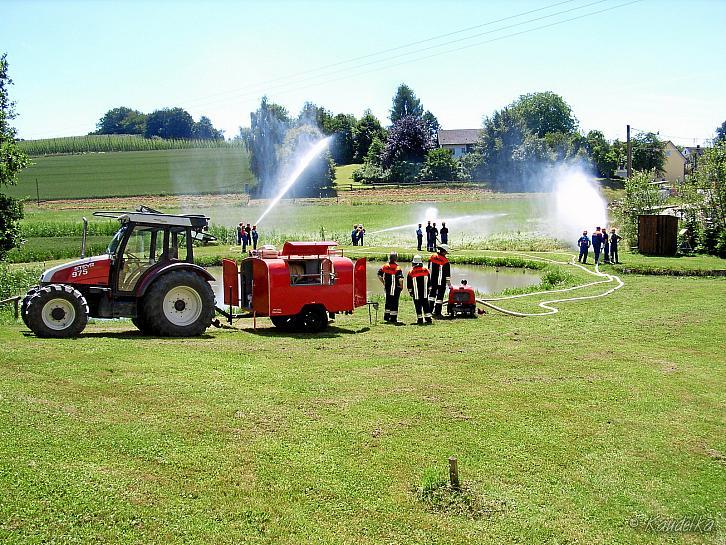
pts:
pixel 12 161
pixel 169 123
pixel 365 131
pixel 432 125
pixel 269 124
pixel 204 130
pixel 605 156
pixel 342 128
pixel 648 153
pixel 405 104
pixel 544 113
pixel 121 120
pixel 440 165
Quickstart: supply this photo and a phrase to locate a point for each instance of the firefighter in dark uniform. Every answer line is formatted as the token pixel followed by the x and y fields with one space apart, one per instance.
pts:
pixel 391 276
pixel 429 243
pixel 440 270
pixel 417 283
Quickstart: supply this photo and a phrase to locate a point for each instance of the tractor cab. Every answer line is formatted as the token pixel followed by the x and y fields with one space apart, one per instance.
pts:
pixel 147 274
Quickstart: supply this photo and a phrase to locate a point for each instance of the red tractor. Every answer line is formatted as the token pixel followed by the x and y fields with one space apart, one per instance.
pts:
pixel 462 301
pixel 298 287
pixel 148 275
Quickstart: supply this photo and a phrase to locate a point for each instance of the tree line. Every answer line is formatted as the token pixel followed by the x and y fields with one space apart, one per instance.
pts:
pixel 166 123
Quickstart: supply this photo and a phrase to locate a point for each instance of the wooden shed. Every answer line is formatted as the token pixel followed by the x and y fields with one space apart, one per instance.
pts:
pixel 657 234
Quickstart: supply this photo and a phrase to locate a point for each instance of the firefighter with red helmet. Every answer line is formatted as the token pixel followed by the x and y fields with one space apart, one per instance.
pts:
pixel 440 270
pixel 391 276
pixel 417 283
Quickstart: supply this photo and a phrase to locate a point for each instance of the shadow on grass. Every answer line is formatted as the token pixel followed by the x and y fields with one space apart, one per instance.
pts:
pixel 130 334
pixel 330 333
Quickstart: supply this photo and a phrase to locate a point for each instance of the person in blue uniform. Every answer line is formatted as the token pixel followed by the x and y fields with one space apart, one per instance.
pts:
pixel 429 244
pixel 255 235
pixel 354 235
pixel 419 237
pixel 605 246
pixel 444 233
pixel 597 244
pixel 583 243
pixel 391 276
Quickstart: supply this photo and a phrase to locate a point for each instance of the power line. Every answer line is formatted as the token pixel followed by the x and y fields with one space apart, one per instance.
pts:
pixel 388 50
pixel 298 82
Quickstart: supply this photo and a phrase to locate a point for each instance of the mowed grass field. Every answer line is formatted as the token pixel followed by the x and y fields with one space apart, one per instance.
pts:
pixel 176 171
pixel 566 428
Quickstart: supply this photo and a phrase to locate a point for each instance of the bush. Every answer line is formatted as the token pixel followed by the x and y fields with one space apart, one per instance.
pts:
pixel 405 172
pixel 368 173
pixel 440 165
pixel 15 282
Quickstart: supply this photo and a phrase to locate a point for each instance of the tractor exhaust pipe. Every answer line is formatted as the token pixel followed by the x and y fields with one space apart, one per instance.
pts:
pixel 85 234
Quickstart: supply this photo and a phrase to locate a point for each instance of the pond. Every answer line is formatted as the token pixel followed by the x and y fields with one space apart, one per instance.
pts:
pixel 486 280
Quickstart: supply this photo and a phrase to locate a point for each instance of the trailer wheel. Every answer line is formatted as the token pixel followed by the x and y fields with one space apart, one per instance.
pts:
pixel 284 323
pixel 24 305
pixel 179 304
pixel 312 320
pixel 56 311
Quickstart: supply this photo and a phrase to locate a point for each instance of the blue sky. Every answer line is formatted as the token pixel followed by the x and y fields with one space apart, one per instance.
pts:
pixel 657 64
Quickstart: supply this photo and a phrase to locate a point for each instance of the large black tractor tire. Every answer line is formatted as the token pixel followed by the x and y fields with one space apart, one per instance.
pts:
pixel 179 304
pixel 141 325
pixel 24 305
pixel 312 320
pixel 284 323
pixel 56 311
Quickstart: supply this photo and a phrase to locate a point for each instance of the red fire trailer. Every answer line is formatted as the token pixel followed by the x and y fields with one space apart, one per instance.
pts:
pixel 298 287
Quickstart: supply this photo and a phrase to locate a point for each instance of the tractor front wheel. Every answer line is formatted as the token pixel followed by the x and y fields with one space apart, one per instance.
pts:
pixel 56 311
pixel 24 305
pixel 179 304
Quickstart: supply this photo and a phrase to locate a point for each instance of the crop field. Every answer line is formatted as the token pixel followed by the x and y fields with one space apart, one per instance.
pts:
pixel 114 142
pixel 175 171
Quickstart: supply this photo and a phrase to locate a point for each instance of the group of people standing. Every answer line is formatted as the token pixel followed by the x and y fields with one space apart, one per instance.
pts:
pixel 247 236
pixel 426 286
pixel 432 235
pixel 602 244
pixel 356 235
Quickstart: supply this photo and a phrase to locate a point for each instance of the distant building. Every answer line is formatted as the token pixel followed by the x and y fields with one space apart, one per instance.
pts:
pixel 675 165
pixel 459 141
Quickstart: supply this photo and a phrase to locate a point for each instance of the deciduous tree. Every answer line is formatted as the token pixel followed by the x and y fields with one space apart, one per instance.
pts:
pixel 121 120
pixel 269 123
pixel 169 123
pixel 12 161
pixel 408 140
pixel 365 132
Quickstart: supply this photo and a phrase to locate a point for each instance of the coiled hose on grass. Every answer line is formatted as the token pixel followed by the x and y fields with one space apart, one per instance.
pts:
pixel 547 305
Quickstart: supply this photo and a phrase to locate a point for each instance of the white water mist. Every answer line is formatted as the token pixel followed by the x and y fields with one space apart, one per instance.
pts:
pixel 300 167
pixel 576 203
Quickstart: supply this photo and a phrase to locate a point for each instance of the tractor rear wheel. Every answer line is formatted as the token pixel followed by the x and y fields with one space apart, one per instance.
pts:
pixel 312 320
pixel 284 323
pixel 56 311
pixel 179 304
pixel 24 305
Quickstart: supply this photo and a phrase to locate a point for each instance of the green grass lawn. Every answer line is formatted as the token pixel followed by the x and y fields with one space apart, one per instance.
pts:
pixel 566 426
pixel 188 171
pixel 344 176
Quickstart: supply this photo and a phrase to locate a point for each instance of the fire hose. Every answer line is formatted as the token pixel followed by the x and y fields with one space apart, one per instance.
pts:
pixel 547 305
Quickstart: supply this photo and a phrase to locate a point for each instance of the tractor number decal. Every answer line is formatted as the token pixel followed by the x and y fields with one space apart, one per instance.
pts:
pixel 81 270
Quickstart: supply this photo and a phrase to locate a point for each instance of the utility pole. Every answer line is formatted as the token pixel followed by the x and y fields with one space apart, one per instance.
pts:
pixel 630 155
pixel 37 192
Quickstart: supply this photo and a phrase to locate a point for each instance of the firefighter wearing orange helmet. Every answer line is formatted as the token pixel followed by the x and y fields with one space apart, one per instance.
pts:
pixel 440 270
pixel 417 283
pixel 391 276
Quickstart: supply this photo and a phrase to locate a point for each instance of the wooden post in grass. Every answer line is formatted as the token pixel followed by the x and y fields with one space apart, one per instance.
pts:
pixel 454 473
